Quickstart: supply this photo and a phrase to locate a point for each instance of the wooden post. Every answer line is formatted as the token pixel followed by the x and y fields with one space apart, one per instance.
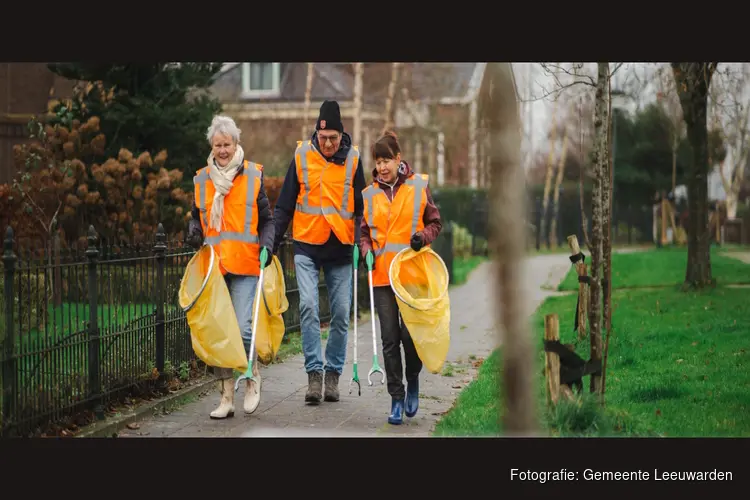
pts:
pixel 552 364
pixel 583 289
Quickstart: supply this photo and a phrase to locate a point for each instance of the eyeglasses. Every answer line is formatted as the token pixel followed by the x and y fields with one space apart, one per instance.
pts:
pixel 322 139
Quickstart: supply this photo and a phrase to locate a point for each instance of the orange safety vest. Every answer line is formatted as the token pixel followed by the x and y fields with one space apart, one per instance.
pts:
pixel 326 196
pixel 238 243
pixel 392 223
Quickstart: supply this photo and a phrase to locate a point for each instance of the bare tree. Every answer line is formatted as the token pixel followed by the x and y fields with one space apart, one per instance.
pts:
pixel 389 101
pixel 670 103
pixel 552 136
pixel 585 143
pixel 357 132
pixel 693 81
pixel 601 118
pixel 556 193
pixel 308 94
pixel 730 90
pixel 508 208
pixel 607 181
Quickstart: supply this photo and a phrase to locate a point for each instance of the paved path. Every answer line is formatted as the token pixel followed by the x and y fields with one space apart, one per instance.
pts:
pixel 742 256
pixel 283 413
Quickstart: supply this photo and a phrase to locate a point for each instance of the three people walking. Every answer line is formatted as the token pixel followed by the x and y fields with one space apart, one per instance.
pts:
pixel 331 209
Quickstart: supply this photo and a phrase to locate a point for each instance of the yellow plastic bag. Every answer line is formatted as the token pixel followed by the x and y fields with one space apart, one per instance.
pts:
pixel 420 282
pixel 214 330
pixel 273 303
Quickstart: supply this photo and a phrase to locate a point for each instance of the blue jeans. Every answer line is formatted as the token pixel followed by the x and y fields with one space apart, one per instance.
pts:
pixel 242 293
pixel 339 282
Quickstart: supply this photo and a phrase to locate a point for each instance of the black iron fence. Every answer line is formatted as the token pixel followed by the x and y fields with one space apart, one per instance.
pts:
pixel 81 326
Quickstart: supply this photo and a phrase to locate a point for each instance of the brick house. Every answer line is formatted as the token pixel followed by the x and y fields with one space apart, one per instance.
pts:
pixel 25 90
pixel 435 112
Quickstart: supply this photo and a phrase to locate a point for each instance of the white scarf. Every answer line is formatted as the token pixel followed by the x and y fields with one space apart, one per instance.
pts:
pixel 222 179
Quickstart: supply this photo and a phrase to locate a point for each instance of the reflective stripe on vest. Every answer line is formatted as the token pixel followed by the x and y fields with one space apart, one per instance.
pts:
pixel 246 236
pixel 420 184
pixel 305 206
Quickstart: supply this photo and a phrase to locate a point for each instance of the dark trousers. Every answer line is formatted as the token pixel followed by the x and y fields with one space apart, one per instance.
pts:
pixel 393 333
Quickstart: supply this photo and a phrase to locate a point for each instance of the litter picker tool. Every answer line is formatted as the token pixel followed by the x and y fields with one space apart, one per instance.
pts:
pixel 355 375
pixel 258 292
pixel 375 365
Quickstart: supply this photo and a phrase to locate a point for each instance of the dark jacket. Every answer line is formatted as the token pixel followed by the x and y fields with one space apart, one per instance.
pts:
pixel 332 250
pixel 265 218
pixel 431 217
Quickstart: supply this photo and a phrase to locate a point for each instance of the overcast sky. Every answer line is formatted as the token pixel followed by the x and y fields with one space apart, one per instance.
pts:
pixel 534 83
pixel 640 80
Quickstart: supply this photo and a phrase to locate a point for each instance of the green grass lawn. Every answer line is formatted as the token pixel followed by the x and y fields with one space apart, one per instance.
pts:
pixel 679 365
pixel 73 318
pixel 662 268
pixel 463 266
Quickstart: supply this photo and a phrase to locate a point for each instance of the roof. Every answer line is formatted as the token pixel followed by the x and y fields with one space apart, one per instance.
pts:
pixel 330 81
pixel 444 81
pixel 449 83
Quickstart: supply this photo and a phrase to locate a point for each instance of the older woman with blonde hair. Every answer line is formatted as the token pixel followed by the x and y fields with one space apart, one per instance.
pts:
pixel 232 213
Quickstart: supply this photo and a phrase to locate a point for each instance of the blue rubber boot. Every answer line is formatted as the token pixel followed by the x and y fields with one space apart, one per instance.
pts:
pixel 397 412
pixel 412 398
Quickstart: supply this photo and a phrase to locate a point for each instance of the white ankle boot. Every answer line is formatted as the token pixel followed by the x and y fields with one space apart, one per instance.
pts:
pixel 226 406
pixel 252 391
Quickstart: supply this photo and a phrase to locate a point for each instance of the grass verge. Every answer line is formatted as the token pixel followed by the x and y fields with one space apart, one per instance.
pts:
pixel 463 266
pixel 662 267
pixel 679 366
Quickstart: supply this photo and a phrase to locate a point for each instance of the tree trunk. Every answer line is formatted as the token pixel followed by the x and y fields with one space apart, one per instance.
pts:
pixel 733 185
pixel 607 202
pixel 556 195
pixel 473 146
pixel 597 214
pixel 390 98
pixel 507 210
pixel 548 175
pixel 308 94
pixel 693 82
pixel 732 202
pixel 675 145
pixel 581 178
pixel 357 132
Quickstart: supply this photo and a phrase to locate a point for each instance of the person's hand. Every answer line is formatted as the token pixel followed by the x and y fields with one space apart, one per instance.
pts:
pixel 373 259
pixel 269 257
pixel 417 241
pixel 194 237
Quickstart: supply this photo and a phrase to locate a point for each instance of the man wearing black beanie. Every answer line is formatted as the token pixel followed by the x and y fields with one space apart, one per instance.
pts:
pixel 322 196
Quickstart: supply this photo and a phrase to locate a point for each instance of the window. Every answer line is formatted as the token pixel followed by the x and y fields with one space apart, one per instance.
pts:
pixel 260 79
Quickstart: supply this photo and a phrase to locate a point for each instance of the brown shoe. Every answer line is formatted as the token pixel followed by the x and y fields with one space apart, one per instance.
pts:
pixel 332 386
pixel 314 387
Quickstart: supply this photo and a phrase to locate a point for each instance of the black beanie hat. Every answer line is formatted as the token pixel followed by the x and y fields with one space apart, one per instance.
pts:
pixel 329 117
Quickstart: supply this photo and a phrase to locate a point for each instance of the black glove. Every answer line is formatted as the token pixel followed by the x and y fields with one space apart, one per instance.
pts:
pixel 269 257
pixel 417 241
pixel 195 235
